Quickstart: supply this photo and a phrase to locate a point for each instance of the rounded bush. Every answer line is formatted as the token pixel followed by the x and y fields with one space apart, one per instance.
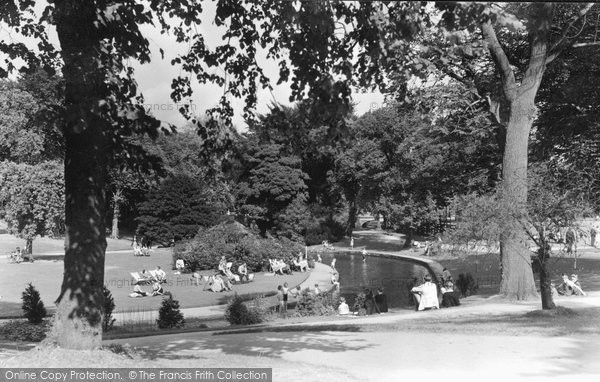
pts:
pixel 237 313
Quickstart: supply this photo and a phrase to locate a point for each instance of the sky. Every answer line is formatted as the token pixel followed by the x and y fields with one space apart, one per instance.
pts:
pixel 154 79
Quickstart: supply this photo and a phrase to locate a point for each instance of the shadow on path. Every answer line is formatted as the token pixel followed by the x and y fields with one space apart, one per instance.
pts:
pixel 251 344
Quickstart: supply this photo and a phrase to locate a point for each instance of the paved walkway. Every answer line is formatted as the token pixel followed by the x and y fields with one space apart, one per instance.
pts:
pixel 396 355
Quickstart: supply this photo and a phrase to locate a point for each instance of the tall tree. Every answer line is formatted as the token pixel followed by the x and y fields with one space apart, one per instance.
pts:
pixel 331 46
pixel 32 199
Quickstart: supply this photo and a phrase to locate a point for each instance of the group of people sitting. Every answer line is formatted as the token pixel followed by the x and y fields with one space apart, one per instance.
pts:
pixel 149 277
pixel 17 256
pixel 373 303
pixel 157 290
pixel 569 287
pixel 426 294
pixel 140 250
pixel 279 266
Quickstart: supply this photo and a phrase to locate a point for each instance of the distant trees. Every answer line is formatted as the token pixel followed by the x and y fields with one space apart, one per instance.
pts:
pixel 271 181
pixel 175 210
pixel 32 199
pixel 31 149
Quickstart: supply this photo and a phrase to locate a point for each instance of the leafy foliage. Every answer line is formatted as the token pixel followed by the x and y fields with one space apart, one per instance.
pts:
pixel 466 284
pixel 18 330
pixel 176 210
pixel 32 198
pixel 237 313
pixel 33 306
pixel 109 306
pixel 30 118
pixel 323 304
pixel 169 315
pixel 273 181
pixel 238 244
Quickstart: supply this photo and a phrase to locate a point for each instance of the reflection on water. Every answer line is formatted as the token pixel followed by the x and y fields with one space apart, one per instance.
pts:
pixel 395 276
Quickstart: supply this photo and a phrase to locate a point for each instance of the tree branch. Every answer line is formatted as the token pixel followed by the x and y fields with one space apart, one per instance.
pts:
pixel 500 59
pixel 563 41
pixel 538 51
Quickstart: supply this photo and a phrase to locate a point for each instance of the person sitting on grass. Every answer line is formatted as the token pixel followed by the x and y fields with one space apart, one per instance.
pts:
pixel 223 265
pixel 426 295
pixel 577 286
pixel 448 297
pixel 16 256
pixel 569 288
pixel 215 284
pixel 157 289
pixel 316 291
pixel 446 276
pixel 138 292
pixel 381 301
pixel 243 271
pixel 179 266
pixel 343 309
pixel 161 276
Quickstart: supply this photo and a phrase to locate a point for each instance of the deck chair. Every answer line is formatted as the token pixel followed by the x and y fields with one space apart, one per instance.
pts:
pixel 277 266
pixel 139 280
pixel 302 265
pixel 137 250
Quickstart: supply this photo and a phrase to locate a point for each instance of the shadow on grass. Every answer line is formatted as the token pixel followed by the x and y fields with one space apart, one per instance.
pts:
pixel 563 322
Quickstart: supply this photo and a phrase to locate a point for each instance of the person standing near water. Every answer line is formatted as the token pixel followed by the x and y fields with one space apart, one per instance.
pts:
pixel 352 242
pixel 364 254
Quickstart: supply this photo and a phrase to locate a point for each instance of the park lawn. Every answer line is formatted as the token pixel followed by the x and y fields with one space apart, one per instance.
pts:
pixel 46 276
pixel 42 245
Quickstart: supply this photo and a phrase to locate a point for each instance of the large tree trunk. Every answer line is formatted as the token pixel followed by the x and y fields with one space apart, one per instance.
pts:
pixel 114 233
pixel 29 246
pixel 517 276
pixel 352 211
pixel 78 322
pixel 545 283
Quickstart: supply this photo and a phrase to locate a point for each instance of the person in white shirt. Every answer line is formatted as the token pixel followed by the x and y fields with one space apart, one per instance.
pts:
pixel 179 265
pixel 161 276
pixel 426 294
pixel 343 308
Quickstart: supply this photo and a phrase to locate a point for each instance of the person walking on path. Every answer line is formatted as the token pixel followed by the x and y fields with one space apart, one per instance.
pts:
pixel 593 233
pixel 571 241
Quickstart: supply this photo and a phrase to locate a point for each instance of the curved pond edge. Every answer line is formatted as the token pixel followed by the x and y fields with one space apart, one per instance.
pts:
pixel 434 268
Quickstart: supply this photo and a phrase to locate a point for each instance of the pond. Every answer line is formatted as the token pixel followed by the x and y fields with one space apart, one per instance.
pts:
pixel 395 276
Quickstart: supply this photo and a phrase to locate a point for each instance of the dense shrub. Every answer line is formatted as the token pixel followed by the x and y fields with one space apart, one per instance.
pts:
pixel 238 245
pixel 33 307
pixel 466 284
pixel 237 313
pixel 176 210
pixel 109 306
pixel 330 230
pixel 322 304
pixel 24 331
pixel 359 303
pixel 169 315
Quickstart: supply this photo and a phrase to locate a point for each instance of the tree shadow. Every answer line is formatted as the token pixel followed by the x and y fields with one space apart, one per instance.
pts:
pixel 262 344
